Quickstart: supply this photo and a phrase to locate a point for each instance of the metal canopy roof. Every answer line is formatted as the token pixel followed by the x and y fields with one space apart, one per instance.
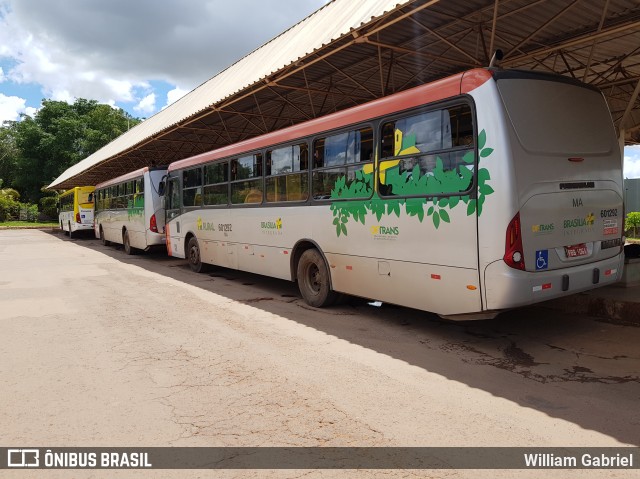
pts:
pixel 350 52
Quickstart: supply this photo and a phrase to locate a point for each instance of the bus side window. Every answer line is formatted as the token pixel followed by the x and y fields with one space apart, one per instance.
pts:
pixel 246 179
pixel 216 181
pixel 286 178
pixel 192 187
pixel 416 148
pixel 347 155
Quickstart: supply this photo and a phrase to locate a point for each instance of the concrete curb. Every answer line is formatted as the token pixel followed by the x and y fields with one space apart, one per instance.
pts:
pixel 611 304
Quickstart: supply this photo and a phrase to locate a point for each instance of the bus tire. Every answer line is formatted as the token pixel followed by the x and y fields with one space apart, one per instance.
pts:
pixel 314 280
pixel 127 243
pixel 70 232
pixel 193 256
pixel 104 241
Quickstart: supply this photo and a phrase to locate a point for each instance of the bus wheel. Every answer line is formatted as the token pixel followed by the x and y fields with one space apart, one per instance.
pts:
pixel 313 280
pixel 193 256
pixel 104 241
pixel 127 244
pixel 70 232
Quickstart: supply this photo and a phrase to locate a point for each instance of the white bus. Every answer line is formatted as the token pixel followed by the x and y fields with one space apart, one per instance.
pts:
pixel 75 210
pixel 129 210
pixel 477 193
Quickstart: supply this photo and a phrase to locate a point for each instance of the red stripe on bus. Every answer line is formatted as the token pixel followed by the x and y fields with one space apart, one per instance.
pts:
pixel 423 94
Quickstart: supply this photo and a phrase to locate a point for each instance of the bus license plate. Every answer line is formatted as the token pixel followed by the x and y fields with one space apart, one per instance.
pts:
pixel 576 250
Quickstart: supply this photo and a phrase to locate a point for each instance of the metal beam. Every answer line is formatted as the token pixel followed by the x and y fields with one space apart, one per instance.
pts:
pixel 584 38
pixel 632 102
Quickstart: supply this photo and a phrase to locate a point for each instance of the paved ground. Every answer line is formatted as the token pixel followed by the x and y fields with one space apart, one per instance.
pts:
pixel 102 349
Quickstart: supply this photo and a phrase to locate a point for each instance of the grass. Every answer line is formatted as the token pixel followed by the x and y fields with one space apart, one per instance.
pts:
pixel 28 224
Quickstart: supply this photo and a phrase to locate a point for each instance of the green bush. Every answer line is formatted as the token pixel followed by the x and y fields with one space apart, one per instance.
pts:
pixel 29 212
pixel 49 206
pixel 11 193
pixel 632 223
pixel 9 208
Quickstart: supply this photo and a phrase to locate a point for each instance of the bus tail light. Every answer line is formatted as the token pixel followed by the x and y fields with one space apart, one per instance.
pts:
pixel 513 255
pixel 153 225
pixel 78 220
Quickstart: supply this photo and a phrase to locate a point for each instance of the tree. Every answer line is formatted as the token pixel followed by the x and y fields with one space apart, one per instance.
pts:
pixel 58 136
pixel 633 222
pixel 8 154
pixel 9 205
pixel 49 203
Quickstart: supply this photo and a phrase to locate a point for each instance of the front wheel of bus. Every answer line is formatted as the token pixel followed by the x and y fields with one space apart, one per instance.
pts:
pixel 313 280
pixel 193 255
pixel 102 238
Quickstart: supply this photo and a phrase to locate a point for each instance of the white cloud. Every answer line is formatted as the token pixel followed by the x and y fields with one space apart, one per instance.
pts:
pixel 11 107
pixel 174 95
pixel 2 77
pixel 108 51
pixel 632 161
pixel 147 105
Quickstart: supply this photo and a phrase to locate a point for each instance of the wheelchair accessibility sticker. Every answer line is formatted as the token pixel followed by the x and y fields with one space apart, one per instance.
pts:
pixel 542 259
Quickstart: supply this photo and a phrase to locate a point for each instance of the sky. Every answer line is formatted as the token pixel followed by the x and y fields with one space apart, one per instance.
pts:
pixel 138 55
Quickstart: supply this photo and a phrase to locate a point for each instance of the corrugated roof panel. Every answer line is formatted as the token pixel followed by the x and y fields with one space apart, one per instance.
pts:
pixel 331 22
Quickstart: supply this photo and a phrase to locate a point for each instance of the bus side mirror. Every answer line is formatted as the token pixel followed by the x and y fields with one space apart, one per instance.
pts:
pixel 161 188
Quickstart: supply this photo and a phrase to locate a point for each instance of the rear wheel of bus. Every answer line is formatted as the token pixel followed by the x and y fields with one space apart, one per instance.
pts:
pixel 127 243
pixel 314 280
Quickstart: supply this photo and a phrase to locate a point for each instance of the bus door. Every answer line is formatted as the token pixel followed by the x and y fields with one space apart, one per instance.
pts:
pixel 172 211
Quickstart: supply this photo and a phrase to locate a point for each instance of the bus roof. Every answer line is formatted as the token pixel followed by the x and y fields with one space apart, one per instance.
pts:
pixel 73 190
pixel 438 90
pixel 129 176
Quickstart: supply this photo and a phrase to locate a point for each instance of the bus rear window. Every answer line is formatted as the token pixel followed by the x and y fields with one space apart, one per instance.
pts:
pixel 557 118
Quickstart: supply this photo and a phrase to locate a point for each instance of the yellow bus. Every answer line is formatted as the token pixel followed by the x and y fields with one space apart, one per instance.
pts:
pixel 75 209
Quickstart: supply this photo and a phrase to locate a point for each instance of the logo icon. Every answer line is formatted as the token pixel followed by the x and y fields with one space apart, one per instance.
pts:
pixel 23 457
pixel 542 259
pixel 580 222
pixel 542 228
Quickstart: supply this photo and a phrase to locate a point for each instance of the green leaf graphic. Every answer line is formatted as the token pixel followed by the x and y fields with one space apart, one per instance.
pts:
pixel 471 207
pixel 482 140
pixel 436 219
pixel 410 190
pixel 486 152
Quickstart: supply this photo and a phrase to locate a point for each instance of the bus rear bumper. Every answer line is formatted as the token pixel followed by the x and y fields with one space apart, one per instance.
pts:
pixel 506 287
pixel 81 226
